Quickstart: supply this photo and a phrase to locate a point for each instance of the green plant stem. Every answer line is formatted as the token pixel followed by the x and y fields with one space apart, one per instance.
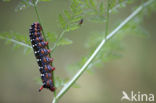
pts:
pixel 17 42
pixel 39 20
pixel 57 40
pixel 84 67
pixel 38 17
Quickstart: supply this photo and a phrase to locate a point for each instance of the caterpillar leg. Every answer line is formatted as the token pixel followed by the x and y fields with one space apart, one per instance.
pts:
pixel 40 88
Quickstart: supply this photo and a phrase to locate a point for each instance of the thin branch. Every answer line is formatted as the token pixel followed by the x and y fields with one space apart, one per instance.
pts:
pixel 57 40
pixel 16 42
pixel 84 67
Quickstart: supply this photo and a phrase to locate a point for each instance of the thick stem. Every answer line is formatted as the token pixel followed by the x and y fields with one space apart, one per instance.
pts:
pixel 84 67
pixel 38 17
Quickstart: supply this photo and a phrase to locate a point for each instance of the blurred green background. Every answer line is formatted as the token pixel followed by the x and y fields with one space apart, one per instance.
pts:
pixel 134 71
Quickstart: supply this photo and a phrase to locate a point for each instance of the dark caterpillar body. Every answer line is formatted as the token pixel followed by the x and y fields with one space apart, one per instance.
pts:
pixel 42 55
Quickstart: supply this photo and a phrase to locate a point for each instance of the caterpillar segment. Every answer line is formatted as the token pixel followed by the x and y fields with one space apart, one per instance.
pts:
pixel 36 40
pixel 46 69
pixel 42 52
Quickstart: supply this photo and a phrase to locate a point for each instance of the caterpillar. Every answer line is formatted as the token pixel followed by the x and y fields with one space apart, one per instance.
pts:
pixel 42 55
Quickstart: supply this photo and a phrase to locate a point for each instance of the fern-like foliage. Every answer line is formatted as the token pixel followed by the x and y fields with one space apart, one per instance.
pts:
pixel 113 48
pixel 69 20
pixel 52 38
pixel 17 40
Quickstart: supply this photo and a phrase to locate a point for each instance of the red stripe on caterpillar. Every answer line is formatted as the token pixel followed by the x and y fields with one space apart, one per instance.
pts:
pixel 42 55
